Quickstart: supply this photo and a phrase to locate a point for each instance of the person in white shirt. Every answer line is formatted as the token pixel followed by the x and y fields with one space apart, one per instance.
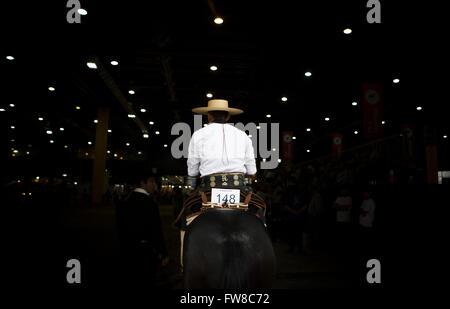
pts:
pixel 343 206
pixel 367 210
pixel 366 236
pixel 219 147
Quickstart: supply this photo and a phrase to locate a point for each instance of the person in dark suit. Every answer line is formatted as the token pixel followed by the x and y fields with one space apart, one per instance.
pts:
pixel 140 232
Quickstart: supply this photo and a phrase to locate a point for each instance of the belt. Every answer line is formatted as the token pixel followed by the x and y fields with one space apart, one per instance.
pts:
pixel 223 179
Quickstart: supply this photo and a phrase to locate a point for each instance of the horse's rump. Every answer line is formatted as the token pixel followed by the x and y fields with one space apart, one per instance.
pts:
pixel 228 249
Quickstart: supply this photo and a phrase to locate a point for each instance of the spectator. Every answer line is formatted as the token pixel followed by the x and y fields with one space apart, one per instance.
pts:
pixel 296 207
pixel 140 231
pixel 366 218
pixel 316 214
pixel 343 205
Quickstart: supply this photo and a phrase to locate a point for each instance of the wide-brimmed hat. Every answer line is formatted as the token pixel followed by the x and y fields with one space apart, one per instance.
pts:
pixel 217 105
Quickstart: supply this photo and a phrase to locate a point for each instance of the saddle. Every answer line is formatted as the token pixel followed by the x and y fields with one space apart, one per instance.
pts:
pixel 200 201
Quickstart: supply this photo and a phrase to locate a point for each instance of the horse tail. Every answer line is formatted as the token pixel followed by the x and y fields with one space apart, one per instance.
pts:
pixel 236 263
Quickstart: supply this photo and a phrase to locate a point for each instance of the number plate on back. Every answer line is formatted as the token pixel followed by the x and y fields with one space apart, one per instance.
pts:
pixel 229 196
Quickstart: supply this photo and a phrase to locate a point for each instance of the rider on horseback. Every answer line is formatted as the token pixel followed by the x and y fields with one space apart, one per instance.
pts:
pixel 220 153
pixel 220 149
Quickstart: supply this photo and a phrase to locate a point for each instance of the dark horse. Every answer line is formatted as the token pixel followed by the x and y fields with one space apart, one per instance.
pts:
pixel 227 249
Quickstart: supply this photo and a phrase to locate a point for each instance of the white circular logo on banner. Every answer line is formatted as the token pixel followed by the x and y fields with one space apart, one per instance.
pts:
pixel 287 138
pixel 337 140
pixel 372 96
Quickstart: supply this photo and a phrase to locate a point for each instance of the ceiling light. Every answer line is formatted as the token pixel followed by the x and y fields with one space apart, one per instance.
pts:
pixel 327 119
pixel 419 108
pixel 41 119
pixel 15 151
pixel 209 95
pixel 114 62
pixel 143 110
pixel 108 151
pixel 12 105
pixel 307 150
pixel 95 121
pixel 49 132
pixel 128 144
pixel 65 146
pixel 51 141
pixel 91 65
pixel 89 143
pixel 355 132
pixel 151 123
pixel 82 11
pixel 109 130
pixel 145 135
pixel 2 109
pixel 308 74
pixel 218 20
pixel 61 129
pixel 139 152
pixel 13 127
pixel 131 92
pixel 10 57
pixel 268 115
pixel 308 129
pixel 213 68
pixel 279 160
pixel 156 132
pixel 131 116
pixel 293 137
pixel 445 136
pixel 383 122
pixel 77 107
pixel 284 99
pixel 165 145
pixel 396 81
pixel 347 31
pixel 51 88
pixel 64 175
pixel 354 103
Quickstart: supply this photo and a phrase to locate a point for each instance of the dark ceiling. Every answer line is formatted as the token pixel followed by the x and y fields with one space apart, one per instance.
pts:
pixel 165 50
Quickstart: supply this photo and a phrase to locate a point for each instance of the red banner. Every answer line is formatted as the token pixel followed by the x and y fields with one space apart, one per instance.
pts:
pixel 408 145
pixel 287 146
pixel 336 146
pixel 372 116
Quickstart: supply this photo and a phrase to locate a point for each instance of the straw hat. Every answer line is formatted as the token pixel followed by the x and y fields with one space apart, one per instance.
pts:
pixel 217 105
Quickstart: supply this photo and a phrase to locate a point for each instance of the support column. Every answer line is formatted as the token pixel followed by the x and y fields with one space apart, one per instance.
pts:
pixel 98 174
pixel 431 155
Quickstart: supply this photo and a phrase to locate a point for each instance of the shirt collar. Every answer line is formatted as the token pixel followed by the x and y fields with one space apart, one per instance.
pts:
pixel 140 190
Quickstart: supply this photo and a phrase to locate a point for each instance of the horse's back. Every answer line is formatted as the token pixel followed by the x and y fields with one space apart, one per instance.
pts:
pixel 228 249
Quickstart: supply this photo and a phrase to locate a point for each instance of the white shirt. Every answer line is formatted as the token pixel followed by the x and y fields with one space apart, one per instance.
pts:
pixel 368 206
pixel 208 154
pixel 343 215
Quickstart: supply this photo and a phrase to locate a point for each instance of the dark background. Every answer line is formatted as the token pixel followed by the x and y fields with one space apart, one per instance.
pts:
pixel 165 49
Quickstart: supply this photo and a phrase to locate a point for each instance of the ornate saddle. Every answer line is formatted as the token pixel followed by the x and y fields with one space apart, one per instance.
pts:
pixel 200 201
